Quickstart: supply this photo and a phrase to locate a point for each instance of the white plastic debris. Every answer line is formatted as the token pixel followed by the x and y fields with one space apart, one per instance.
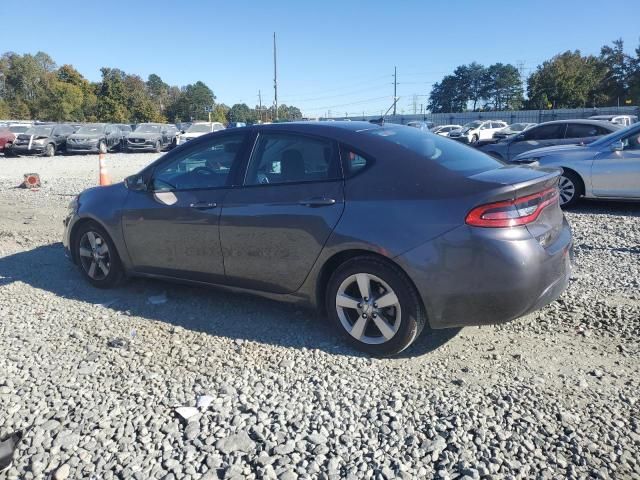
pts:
pixel 187 412
pixel 204 401
pixel 157 299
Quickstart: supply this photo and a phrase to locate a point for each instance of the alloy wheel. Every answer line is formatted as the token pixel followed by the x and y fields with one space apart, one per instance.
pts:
pixel 368 308
pixel 94 255
pixel 567 190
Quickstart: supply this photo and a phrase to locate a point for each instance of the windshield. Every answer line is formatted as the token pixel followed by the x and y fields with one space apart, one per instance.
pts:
pixel 470 125
pixel 146 128
pixel 40 131
pixel 616 135
pixel 199 128
pixel 91 129
pixel 516 127
pixel 18 128
pixel 448 154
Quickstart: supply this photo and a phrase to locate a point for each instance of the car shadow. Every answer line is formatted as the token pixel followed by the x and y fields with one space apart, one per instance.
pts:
pixel 606 207
pixel 204 309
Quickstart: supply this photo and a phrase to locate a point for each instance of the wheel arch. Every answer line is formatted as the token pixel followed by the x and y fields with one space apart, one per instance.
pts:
pixel 74 233
pixel 337 259
pixel 582 185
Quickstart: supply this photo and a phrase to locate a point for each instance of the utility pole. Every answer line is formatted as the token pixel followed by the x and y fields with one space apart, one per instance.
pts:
pixel 260 105
pixel 275 77
pixel 395 88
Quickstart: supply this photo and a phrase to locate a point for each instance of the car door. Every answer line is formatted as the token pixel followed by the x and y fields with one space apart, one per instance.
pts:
pixel 484 133
pixel 617 173
pixel 173 227
pixel 543 135
pixel 274 227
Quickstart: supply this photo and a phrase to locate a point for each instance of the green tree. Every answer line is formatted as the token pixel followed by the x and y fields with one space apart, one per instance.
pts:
pixel 194 101
pixel 446 96
pixel 112 98
pixel 158 92
pixel 471 81
pixel 220 113
pixel 502 88
pixel 87 110
pixel 240 112
pixel 568 80
pixel 615 84
pixel 634 78
pixel 4 109
pixel 139 103
pixel 63 102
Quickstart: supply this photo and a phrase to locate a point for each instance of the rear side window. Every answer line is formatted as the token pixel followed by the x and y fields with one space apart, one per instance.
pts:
pixel 447 153
pixel 581 130
pixel 291 158
pixel 353 162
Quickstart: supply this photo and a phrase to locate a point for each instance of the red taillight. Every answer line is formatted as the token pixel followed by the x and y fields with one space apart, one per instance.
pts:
pixel 511 213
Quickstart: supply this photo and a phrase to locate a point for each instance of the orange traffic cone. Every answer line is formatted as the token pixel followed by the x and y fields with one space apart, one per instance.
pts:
pixel 105 179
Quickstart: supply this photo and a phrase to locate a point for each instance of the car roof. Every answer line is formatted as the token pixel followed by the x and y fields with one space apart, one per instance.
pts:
pixel 582 121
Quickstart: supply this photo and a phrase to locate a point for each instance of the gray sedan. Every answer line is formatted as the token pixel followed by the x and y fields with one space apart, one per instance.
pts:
pixel 384 228
pixel 559 132
pixel 606 168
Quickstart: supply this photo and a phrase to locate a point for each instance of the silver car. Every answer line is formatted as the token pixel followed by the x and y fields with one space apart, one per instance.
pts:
pixel 608 168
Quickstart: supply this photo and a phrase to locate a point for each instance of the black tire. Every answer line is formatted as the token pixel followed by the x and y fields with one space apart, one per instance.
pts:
pixel 115 274
pixel 8 152
pixel 568 179
pixel 158 146
pixel 474 139
pixel 102 147
pixel 412 317
pixel 50 150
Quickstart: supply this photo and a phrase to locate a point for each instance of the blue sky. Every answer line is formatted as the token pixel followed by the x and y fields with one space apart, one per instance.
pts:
pixel 332 55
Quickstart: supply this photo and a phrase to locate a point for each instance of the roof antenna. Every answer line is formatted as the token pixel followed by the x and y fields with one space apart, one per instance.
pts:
pixel 380 121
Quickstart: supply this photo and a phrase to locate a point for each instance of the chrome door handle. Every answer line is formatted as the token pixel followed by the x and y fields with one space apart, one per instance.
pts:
pixel 203 205
pixel 317 202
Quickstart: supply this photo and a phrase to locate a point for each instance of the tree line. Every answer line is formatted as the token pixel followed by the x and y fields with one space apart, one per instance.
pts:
pixel 34 87
pixel 568 80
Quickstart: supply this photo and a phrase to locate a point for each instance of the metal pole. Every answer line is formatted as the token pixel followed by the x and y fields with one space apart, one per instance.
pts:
pixel 395 88
pixel 275 77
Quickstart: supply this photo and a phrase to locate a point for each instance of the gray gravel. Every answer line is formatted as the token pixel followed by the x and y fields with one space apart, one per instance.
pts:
pixel 553 395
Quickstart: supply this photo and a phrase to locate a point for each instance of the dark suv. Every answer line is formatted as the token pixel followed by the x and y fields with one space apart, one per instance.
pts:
pixel 152 137
pixel 46 139
pixel 95 137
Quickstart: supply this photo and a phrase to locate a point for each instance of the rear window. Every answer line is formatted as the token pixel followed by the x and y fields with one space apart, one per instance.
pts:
pixel 447 153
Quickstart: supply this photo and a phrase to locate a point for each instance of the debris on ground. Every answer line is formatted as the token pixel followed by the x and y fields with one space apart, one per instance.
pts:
pixel 7 449
pixel 204 401
pixel 187 413
pixel 31 181
pixel 118 343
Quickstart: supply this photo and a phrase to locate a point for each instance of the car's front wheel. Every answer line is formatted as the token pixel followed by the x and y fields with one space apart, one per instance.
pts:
pixel 50 150
pixel 158 146
pixel 375 305
pixel 97 256
pixel 102 147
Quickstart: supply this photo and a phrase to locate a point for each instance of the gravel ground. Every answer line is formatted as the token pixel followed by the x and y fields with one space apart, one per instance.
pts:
pixel 553 395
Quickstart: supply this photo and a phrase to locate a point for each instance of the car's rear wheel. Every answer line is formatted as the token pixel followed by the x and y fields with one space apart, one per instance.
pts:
pixel 97 256
pixel 570 187
pixel 50 150
pixel 102 147
pixel 375 305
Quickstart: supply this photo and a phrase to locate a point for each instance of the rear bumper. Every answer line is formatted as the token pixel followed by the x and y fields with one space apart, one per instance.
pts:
pixel 475 276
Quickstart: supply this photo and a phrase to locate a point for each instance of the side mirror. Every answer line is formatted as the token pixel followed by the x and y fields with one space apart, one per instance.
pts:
pixel 135 183
pixel 617 146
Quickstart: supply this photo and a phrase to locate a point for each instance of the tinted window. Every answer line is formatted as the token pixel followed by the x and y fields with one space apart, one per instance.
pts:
pixel 205 166
pixel 580 130
pixel 449 154
pixel 546 132
pixel 286 158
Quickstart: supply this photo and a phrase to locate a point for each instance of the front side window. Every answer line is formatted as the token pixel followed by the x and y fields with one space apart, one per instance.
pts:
pixel 546 132
pixel 205 166
pixel 288 158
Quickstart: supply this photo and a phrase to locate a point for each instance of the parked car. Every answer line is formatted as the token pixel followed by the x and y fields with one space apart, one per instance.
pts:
pixel 305 212
pixel 125 130
pixel 558 132
pixel 424 126
pixel 42 139
pixel 608 168
pixel 475 131
pixel 513 129
pixel 95 138
pixel 198 129
pixel 8 135
pixel 152 136
pixel 624 120
pixel 444 130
